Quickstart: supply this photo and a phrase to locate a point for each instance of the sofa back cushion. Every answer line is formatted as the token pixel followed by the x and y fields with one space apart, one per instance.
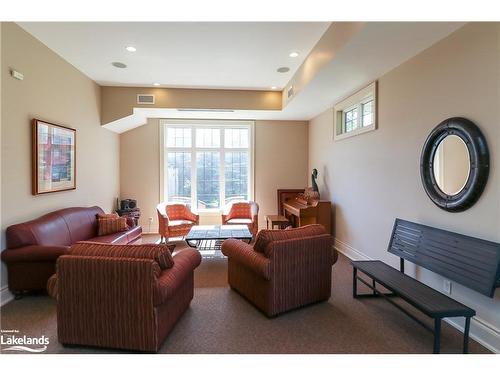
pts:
pixel 266 236
pixel 81 222
pixel 59 228
pixel 162 254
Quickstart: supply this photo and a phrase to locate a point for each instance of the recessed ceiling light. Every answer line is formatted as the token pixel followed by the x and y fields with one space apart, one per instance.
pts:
pixel 283 69
pixel 273 87
pixel 118 64
pixel 293 54
pixel 131 49
pixel 156 84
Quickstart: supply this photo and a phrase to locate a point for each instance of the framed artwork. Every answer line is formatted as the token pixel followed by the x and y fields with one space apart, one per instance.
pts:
pixel 53 157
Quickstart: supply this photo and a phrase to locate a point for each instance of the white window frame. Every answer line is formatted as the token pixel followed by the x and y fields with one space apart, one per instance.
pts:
pixel 213 124
pixel 357 100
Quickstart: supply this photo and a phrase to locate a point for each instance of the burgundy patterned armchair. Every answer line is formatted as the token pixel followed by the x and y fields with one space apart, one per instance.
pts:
pixel 175 220
pixel 284 269
pixel 242 213
pixel 122 296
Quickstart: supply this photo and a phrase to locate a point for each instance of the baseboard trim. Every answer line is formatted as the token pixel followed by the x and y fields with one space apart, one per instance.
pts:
pixel 481 331
pixel 5 295
pixel 349 251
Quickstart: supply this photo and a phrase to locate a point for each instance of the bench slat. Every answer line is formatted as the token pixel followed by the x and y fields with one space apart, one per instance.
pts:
pixel 423 297
pixel 472 262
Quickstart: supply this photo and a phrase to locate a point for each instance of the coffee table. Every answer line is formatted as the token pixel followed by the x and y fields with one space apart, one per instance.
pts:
pixel 208 238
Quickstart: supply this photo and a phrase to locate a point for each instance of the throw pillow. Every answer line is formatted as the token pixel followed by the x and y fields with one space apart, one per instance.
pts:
pixel 110 224
pixel 108 216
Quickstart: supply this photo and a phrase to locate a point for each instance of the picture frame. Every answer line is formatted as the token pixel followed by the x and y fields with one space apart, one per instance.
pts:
pixel 53 157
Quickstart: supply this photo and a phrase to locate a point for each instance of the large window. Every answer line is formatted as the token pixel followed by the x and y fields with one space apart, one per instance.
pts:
pixel 207 164
pixel 356 114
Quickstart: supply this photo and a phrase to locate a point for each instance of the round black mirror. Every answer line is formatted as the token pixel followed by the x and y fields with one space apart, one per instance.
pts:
pixel 454 164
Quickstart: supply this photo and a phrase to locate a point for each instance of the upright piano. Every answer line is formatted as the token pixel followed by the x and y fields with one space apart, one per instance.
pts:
pixel 300 214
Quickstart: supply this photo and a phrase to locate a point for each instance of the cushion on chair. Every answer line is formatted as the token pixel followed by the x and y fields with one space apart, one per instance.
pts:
pixel 176 223
pixel 239 221
pixel 266 236
pixel 240 211
pixel 162 254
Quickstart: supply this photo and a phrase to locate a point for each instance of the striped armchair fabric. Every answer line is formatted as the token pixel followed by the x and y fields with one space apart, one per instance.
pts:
pixel 175 220
pixel 121 302
pixel 284 270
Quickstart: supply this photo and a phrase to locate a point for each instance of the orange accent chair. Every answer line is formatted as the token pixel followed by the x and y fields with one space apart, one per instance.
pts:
pixel 242 213
pixel 175 220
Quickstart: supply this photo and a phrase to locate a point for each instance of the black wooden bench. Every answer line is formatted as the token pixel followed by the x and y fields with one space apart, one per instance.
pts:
pixel 470 261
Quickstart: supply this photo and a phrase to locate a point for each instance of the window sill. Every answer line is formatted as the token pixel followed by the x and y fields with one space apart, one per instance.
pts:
pixel 354 133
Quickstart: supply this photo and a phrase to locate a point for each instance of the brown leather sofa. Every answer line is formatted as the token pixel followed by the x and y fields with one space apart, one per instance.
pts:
pixel 34 246
pixel 284 269
pixel 121 296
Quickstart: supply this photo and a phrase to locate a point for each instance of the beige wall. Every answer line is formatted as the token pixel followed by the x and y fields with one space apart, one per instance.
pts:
pixel 140 170
pixel 119 102
pixel 374 177
pixel 280 162
pixel 55 91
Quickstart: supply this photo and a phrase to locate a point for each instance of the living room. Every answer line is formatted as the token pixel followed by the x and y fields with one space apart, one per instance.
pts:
pixel 272 172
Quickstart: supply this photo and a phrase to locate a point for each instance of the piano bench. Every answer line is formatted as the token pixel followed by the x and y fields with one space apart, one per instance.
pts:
pixel 279 220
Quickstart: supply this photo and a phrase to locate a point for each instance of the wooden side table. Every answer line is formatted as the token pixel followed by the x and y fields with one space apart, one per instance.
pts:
pixel 279 220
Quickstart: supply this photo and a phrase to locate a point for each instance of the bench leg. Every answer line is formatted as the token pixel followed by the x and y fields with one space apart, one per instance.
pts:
pixel 373 285
pixel 437 335
pixel 354 282
pixel 466 335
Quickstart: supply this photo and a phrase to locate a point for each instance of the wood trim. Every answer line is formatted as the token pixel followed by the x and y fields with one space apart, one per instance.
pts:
pixel 281 197
pixel 34 157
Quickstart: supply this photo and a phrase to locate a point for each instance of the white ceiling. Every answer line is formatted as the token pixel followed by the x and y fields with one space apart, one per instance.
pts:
pixel 375 50
pixel 175 54
pixel 237 56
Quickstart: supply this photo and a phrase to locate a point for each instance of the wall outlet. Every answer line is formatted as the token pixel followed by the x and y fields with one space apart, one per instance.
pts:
pixel 150 220
pixel 447 286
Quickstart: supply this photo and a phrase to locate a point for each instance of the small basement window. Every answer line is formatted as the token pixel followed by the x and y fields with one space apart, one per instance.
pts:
pixel 356 114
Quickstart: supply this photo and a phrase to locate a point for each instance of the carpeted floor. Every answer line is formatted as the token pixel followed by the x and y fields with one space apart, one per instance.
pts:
pixel 221 321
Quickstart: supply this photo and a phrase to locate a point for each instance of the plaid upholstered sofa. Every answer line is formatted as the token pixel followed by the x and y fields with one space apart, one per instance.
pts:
pixel 284 269
pixel 121 296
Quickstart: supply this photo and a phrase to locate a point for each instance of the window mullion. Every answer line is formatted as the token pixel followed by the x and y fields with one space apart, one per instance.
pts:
pixel 194 189
pixel 222 179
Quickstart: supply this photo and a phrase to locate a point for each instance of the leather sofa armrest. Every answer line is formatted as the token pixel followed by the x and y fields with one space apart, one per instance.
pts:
pixel 244 253
pixel 172 279
pixel 34 253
